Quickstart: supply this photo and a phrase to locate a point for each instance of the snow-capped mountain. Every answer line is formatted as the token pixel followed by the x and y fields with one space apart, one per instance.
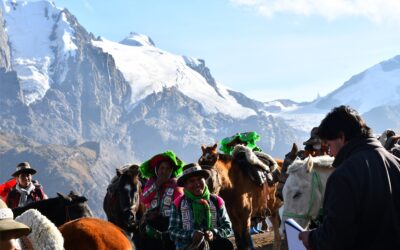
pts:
pixel 374 93
pixel 59 85
pixel 50 37
pixel 376 86
pixel 149 69
pixel 126 101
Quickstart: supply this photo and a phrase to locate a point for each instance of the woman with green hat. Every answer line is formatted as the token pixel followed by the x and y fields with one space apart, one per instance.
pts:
pixel 158 194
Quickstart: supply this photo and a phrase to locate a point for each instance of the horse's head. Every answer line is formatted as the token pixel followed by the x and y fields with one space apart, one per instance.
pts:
pixel 129 173
pixel 289 158
pixel 304 188
pixel 209 156
pixel 75 206
pixel 207 161
pixel 129 191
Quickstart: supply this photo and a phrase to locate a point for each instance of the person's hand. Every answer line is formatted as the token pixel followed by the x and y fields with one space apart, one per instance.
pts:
pixel 303 236
pixel 197 235
pixel 209 235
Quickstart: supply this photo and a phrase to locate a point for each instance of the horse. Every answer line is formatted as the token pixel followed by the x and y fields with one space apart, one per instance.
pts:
pixel 60 209
pixel 122 201
pixel 305 187
pixel 293 154
pixel 94 233
pixel 244 199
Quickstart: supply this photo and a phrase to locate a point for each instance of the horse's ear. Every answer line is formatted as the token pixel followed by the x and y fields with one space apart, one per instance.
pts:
pixel 65 197
pixel 203 148
pixel 73 193
pixel 215 146
pixel 309 164
pixel 80 199
pixel 295 149
pixel 118 171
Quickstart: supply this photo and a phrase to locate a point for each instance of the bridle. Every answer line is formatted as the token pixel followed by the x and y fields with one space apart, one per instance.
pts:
pixel 315 184
pixel 214 171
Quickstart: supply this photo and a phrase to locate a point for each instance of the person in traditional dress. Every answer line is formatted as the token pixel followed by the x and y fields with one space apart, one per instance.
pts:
pixel 199 220
pixel 160 191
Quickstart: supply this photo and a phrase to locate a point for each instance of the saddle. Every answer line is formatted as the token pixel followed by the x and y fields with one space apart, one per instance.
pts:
pixel 259 166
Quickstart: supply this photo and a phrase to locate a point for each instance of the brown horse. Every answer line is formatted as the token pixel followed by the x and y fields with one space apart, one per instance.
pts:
pixel 244 199
pixel 122 202
pixel 94 234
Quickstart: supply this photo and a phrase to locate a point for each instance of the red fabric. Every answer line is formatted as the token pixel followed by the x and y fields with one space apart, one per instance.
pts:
pixel 171 183
pixel 157 159
pixel 6 187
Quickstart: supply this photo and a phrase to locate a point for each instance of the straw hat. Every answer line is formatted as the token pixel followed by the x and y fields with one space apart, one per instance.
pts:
pixel 190 170
pixel 9 228
pixel 24 167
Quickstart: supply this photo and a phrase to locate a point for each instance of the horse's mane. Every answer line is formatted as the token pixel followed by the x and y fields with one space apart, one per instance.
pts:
pixel 224 157
pixel 48 203
pixel 324 161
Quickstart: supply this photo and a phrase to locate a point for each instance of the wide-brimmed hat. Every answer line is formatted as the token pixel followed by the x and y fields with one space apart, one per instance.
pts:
pixel 147 169
pixel 24 167
pixel 192 169
pixel 314 138
pixel 9 228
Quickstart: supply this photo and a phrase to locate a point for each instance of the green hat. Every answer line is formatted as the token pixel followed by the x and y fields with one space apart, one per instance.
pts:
pixel 147 169
pixel 9 228
pixel 249 138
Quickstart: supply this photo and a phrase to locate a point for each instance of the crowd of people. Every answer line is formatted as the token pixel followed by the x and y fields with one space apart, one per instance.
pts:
pixel 361 208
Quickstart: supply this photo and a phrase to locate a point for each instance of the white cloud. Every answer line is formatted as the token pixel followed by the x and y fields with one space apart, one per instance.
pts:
pixel 375 10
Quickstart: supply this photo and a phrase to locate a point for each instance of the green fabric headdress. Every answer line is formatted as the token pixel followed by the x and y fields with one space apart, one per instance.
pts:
pixel 249 138
pixel 147 169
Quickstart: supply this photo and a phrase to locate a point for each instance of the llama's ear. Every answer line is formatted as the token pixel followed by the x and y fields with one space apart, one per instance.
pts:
pixel 215 146
pixel 203 148
pixel 309 164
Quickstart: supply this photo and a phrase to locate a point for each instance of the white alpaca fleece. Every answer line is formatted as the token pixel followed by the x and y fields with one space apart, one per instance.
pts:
pixel 253 159
pixel 44 235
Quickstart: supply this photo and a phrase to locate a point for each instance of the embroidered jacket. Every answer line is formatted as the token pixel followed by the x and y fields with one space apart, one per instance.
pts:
pixel 161 199
pixel 182 226
pixel 36 195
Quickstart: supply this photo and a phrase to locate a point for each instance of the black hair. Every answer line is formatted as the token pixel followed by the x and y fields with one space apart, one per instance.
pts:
pixel 343 120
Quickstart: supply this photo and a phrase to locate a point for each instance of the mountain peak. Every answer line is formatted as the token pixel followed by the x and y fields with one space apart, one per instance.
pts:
pixel 136 39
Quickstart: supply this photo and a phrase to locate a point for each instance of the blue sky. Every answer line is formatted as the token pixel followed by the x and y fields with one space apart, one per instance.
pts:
pixel 267 49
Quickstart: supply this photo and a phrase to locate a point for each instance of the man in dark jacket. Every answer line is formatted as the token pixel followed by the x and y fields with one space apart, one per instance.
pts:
pixel 362 197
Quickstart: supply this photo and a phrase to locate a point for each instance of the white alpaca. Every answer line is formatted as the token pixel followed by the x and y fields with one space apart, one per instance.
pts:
pixel 305 187
pixel 44 235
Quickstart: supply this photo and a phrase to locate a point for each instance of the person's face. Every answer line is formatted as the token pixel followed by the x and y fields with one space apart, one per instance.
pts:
pixel 24 179
pixel 195 185
pixel 8 244
pixel 164 170
pixel 335 145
